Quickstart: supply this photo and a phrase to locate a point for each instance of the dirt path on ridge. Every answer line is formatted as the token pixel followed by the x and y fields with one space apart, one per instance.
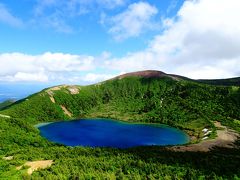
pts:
pixel 68 113
pixel 225 138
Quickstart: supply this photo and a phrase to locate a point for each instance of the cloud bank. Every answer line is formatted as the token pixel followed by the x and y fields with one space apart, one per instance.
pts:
pixel 42 68
pixel 202 41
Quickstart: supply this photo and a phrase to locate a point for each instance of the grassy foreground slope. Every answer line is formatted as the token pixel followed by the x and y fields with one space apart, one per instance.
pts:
pixel 158 98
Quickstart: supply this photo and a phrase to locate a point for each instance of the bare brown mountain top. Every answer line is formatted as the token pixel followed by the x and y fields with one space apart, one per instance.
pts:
pixel 149 74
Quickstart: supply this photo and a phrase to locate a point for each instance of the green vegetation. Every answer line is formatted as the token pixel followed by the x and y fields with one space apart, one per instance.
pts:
pixel 185 104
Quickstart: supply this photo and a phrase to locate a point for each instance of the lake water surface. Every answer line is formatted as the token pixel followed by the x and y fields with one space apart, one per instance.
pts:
pixel 111 133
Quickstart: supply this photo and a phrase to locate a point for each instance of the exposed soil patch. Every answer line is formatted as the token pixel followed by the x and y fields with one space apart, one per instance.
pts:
pixel 50 90
pixel 8 158
pixel 73 89
pixel 35 165
pixel 66 111
pixel 225 138
pixel 52 99
pixel 4 116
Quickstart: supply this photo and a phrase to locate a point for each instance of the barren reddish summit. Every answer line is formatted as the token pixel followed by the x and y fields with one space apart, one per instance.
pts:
pixel 148 74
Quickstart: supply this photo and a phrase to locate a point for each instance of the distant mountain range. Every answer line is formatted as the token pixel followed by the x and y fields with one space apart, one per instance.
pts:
pixel 222 82
pixel 159 74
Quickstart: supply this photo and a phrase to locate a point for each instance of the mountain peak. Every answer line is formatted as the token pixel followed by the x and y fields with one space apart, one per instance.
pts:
pixel 148 74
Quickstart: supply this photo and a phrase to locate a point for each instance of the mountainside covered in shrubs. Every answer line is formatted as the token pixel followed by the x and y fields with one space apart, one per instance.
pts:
pixel 149 96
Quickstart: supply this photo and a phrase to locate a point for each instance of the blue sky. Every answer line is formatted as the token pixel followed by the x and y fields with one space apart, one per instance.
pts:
pixel 76 32
pixel 86 41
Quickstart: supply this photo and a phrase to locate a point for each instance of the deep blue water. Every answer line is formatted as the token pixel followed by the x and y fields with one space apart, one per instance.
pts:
pixel 111 133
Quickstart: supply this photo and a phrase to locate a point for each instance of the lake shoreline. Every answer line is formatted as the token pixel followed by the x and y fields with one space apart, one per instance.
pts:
pixel 205 145
pixel 173 135
pixel 42 124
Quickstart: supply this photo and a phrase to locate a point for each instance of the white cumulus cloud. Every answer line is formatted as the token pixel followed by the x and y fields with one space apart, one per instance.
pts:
pixel 137 18
pixel 25 77
pixel 44 67
pixel 93 77
pixel 202 41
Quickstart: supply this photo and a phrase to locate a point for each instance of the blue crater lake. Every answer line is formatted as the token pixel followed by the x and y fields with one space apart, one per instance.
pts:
pixel 111 133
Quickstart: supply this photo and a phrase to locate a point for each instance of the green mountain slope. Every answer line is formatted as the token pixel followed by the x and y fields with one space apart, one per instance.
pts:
pixel 148 96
